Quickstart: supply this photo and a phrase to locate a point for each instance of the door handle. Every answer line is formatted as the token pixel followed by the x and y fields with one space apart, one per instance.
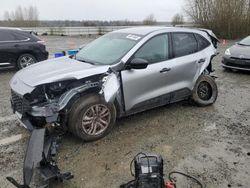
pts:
pixel 16 45
pixel 165 70
pixel 202 60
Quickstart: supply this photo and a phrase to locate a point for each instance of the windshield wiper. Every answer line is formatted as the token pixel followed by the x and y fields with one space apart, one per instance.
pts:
pixel 84 61
pixel 243 44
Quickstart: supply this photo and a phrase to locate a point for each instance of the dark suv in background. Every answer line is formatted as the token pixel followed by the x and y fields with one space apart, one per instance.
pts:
pixel 20 48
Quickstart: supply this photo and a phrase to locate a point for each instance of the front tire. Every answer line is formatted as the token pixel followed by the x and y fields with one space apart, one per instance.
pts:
pixel 205 91
pixel 91 118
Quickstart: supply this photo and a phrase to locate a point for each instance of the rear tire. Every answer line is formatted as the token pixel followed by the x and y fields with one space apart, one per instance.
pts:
pixel 25 60
pixel 205 91
pixel 91 118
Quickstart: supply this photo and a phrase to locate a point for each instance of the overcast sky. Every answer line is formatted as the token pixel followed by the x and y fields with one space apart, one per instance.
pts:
pixel 99 9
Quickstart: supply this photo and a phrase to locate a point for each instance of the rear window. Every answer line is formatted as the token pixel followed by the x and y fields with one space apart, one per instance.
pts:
pixel 202 42
pixel 23 35
pixel 184 44
pixel 7 36
pixel 13 36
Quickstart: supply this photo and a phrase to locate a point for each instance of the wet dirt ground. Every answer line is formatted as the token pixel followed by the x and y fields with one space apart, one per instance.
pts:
pixel 211 143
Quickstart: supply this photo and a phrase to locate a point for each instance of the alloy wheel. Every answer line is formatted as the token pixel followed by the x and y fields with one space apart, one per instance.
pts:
pixel 26 61
pixel 96 119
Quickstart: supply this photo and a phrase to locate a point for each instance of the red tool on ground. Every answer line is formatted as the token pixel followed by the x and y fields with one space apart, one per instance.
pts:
pixel 148 173
pixel 170 184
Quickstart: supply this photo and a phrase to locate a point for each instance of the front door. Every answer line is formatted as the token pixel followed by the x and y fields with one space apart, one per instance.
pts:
pixel 140 87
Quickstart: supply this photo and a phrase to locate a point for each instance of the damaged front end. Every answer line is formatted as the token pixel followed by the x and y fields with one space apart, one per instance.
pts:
pixel 46 107
pixel 50 103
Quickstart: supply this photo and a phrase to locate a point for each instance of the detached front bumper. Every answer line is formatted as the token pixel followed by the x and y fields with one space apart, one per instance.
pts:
pixel 25 122
pixel 236 63
pixel 41 155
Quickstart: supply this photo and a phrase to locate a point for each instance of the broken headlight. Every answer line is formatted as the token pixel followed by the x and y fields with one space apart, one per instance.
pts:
pixel 57 87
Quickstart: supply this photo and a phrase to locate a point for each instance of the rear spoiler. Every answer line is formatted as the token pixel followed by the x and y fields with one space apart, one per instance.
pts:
pixel 212 36
pixel 32 32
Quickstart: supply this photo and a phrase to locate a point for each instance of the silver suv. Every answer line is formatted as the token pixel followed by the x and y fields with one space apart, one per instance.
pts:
pixel 121 73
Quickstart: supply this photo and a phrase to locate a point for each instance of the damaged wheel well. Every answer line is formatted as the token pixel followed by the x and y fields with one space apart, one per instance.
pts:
pixel 91 117
pixel 74 100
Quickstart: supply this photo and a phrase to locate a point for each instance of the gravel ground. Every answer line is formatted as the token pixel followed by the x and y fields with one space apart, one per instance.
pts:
pixel 211 143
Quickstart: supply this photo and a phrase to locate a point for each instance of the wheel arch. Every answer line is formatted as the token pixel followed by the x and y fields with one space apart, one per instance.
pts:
pixel 80 105
pixel 91 91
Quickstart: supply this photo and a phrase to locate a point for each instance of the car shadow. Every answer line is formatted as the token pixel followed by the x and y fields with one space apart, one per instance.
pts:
pixel 238 71
pixel 125 121
pixel 8 70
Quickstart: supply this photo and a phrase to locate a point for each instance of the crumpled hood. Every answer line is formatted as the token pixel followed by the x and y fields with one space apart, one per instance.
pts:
pixel 57 69
pixel 240 51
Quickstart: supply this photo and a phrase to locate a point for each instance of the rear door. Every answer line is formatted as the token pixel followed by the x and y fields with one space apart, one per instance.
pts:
pixel 206 50
pixel 8 51
pixel 185 66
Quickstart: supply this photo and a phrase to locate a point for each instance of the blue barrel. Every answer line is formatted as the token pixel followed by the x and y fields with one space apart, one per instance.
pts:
pixel 59 54
pixel 72 52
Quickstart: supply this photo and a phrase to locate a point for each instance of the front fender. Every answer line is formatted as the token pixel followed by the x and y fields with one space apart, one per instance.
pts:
pixel 66 97
pixel 110 87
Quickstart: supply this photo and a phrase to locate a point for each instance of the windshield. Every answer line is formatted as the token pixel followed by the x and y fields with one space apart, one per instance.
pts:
pixel 108 49
pixel 245 41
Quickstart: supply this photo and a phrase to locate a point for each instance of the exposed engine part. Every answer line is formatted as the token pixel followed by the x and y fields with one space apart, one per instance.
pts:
pixel 50 110
pixel 41 153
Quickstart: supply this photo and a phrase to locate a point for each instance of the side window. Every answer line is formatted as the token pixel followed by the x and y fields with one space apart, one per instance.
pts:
pixel 184 44
pixel 155 50
pixel 23 35
pixel 202 42
pixel 7 36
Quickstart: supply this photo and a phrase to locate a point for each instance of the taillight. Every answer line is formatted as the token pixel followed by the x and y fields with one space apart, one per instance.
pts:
pixel 41 42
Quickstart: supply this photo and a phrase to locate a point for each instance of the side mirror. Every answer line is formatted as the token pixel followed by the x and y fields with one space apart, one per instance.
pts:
pixel 138 63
